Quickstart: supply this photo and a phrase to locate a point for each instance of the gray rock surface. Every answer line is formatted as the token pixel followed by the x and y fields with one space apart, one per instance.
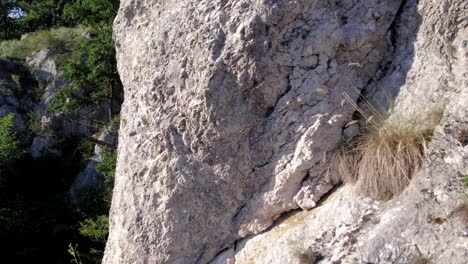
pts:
pixel 420 223
pixel 46 65
pixel 351 131
pixel 42 146
pixel 427 69
pixel 231 109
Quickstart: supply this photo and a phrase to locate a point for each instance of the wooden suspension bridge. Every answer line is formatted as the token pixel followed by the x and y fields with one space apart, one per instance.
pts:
pixel 87 128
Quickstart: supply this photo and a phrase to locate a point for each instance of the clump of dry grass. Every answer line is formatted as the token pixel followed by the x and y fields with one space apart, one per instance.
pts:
pixel 384 156
pixel 308 256
pixel 461 212
pixel 420 260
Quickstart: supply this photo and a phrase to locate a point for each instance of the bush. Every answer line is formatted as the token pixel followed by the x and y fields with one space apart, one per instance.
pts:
pixel 67 100
pixel 95 229
pixel 8 140
pixel 35 125
pixel 107 166
pixel 383 158
pixel 58 38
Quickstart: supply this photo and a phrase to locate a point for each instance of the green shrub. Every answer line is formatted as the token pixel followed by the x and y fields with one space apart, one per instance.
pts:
pixel 85 148
pixel 67 100
pixel 107 166
pixel 8 139
pixel 34 122
pixel 59 38
pixel 96 229
pixel 35 125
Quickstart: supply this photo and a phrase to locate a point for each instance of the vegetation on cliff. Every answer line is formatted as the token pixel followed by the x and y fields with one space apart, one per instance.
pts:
pixel 8 140
pixel 37 216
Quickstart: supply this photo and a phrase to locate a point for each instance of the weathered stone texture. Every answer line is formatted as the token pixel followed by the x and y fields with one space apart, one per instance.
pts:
pixel 230 110
pixel 232 107
pixel 426 71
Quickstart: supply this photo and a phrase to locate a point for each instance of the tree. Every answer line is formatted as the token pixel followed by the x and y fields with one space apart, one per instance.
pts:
pixel 98 14
pixel 42 14
pixel 7 21
pixel 92 63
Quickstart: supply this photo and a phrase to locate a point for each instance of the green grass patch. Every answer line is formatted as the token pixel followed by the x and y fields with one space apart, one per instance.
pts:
pixel 58 38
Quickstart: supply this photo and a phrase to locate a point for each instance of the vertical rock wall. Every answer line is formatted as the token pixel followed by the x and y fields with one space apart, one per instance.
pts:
pixel 231 107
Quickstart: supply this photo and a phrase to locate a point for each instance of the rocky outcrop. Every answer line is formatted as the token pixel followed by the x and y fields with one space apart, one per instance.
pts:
pixel 16 86
pixel 233 107
pixel 231 110
pixel 426 70
pixel 420 224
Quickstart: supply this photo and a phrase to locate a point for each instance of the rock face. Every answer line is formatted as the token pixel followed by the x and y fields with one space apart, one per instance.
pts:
pixel 427 69
pixel 232 108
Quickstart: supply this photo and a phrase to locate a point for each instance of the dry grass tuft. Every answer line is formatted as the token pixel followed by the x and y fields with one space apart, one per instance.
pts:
pixel 383 158
pixel 463 137
pixel 309 256
pixel 420 260
pixel 461 212
pixel 305 255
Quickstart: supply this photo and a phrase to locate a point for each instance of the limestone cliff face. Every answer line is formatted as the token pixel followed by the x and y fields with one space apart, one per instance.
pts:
pixel 232 108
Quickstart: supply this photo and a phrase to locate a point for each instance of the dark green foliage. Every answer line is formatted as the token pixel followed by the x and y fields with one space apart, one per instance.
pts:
pixel 35 125
pixel 91 66
pixel 96 13
pixel 107 166
pixel 67 100
pixel 42 14
pixel 8 140
pixel 93 200
pixel 96 229
pixel 36 220
pixel 8 25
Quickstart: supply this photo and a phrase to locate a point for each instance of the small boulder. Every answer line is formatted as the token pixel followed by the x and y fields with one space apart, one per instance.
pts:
pixel 88 35
pixel 27 35
pixel 351 131
pixel 45 64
